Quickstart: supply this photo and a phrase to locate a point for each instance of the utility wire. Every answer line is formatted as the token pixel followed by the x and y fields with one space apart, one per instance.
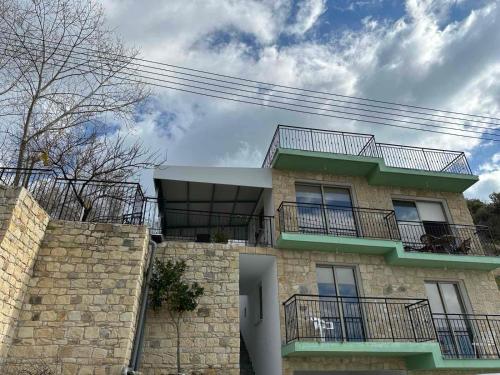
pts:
pixel 278 102
pixel 137 68
pixel 129 60
pixel 58 43
pixel 142 81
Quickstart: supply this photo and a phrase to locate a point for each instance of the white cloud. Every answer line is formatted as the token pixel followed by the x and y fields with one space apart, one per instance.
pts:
pixel 308 13
pixel 489 179
pixel 420 59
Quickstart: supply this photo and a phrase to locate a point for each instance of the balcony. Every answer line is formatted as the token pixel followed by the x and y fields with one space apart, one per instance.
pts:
pixel 204 226
pixel 399 327
pixel 316 325
pixel 318 227
pixel 444 238
pixel 355 154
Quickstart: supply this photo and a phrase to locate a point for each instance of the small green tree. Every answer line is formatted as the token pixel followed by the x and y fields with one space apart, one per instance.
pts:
pixel 168 288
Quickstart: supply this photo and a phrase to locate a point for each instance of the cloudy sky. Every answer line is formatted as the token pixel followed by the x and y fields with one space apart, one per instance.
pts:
pixel 442 54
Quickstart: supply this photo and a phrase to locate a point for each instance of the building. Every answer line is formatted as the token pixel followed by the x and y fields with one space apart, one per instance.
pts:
pixel 339 256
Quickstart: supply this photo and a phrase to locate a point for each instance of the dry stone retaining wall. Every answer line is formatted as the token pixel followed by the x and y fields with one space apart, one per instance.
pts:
pixel 22 226
pixel 210 335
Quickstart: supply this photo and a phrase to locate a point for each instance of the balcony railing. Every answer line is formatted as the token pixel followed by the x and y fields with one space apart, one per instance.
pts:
pixel 444 238
pixel 357 319
pixel 332 220
pixel 204 226
pixel 467 336
pixel 78 199
pixel 295 138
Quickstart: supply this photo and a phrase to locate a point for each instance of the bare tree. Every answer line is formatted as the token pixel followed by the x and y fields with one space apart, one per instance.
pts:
pixel 96 164
pixel 68 72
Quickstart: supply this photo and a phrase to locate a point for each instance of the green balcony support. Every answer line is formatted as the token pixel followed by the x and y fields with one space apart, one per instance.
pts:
pixel 417 355
pixel 374 169
pixel 393 251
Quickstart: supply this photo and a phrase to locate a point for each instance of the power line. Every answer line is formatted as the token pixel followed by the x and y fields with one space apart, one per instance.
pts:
pixel 267 83
pixel 287 104
pixel 293 109
pixel 129 60
pixel 490 130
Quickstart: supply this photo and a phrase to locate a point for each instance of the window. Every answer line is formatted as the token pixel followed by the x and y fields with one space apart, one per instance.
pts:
pixel 416 218
pixel 455 333
pixel 261 311
pixel 324 209
pixel 343 315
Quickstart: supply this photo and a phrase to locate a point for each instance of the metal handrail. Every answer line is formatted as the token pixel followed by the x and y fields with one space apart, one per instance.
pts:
pixel 448 161
pixel 316 218
pixel 331 318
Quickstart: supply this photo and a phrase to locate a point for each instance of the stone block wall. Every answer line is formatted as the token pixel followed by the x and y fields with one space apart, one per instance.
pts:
pixel 210 335
pixel 297 275
pixel 81 304
pixel 22 226
pixel 363 194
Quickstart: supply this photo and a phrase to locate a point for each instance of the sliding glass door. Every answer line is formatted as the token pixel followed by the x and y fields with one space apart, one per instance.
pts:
pixel 325 210
pixel 453 328
pixel 339 304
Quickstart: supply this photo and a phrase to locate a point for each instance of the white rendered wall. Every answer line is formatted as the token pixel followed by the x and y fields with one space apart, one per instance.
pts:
pixel 262 338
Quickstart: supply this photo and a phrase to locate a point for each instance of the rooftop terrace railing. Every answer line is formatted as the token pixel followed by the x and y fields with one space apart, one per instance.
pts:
pixel 310 218
pixel 357 319
pixel 399 156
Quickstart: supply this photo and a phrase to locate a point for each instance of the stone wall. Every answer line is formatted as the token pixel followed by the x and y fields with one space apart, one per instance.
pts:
pixel 210 335
pixel 365 195
pixel 22 226
pixel 297 275
pixel 81 305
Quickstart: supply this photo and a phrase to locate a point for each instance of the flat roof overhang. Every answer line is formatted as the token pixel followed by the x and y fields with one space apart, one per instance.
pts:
pixel 392 250
pixel 417 355
pixel 374 169
pixel 197 197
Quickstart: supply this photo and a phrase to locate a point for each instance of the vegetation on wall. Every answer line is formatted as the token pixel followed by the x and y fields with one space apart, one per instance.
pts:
pixel 169 289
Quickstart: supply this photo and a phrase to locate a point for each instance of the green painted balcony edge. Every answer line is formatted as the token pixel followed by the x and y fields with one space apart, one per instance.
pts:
pixel 374 169
pixel 418 356
pixel 392 250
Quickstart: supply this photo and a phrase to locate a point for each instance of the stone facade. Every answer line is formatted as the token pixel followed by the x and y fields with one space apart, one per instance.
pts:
pixel 81 305
pixel 297 269
pixel 22 226
pixel 210 335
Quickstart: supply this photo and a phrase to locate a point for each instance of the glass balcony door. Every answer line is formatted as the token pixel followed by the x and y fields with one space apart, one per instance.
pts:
pixel 326 210
pixel 341 313
pixel 453 328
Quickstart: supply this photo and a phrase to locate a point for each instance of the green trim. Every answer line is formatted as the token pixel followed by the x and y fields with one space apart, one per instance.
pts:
pixel 374 169
pixel 393 251
pixel 418 356
pixel 400 349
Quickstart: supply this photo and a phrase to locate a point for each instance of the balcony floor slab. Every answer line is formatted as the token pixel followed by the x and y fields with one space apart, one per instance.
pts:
pixel 418 355
pixel 374 169
pixel 392 250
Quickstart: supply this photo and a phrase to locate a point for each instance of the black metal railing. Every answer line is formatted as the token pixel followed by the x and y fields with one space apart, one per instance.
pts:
pixel 77 199
pixel 332 220
pixel 204 226
pixel 468 336
pixel 336 142
pixel 400 156
pixel 332 318
pixel 426 159
pixel 438 237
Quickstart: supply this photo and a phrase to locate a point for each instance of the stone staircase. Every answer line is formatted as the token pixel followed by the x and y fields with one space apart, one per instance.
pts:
pixel 246 367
